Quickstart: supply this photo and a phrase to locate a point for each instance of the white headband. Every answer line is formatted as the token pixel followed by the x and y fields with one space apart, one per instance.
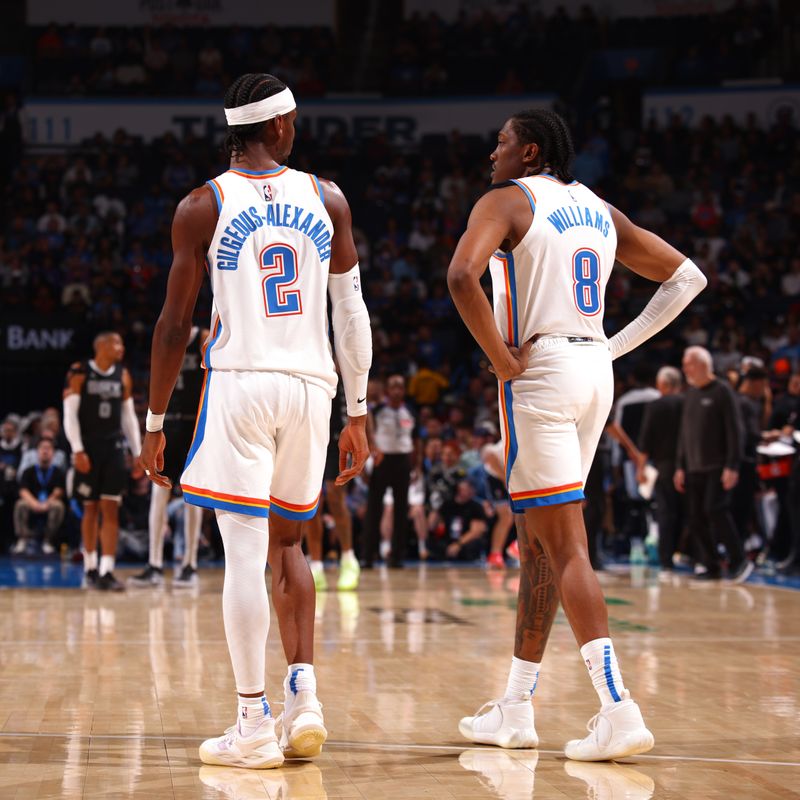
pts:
pixel 261 110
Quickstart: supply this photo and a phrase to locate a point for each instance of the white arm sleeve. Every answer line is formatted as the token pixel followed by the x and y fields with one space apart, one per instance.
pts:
pixel 352 337
pixel 669 300
pixel 72 427
pixel 130 427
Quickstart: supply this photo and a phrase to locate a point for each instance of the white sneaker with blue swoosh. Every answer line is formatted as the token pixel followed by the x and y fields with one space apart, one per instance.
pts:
pixel 617 731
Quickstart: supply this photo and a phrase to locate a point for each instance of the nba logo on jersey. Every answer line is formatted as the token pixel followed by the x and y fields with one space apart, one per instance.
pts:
pixel 267 192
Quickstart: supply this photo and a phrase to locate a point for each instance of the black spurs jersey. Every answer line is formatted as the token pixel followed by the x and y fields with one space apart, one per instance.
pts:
pixel 186 395
pixel 100 413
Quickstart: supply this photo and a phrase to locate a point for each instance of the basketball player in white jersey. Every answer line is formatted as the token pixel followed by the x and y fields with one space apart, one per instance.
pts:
pixel 275 243
pixel 551 244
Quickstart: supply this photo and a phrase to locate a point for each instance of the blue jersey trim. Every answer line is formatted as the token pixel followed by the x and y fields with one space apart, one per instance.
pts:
pixel 217 195
pixel 512 283
pixel 508 396
pixel 527 192
pixel 224 505
pixel 518 506
pixel 294 515
pixel 207 356
pixel 259 173
pixel 319 189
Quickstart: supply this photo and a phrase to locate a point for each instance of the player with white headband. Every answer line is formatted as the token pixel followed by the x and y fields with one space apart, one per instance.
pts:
pixel 276 243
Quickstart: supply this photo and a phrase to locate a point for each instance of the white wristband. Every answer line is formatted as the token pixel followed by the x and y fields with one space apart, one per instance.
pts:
pixel 154 422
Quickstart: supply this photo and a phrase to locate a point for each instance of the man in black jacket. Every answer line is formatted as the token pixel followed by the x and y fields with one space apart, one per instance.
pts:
pixel 709 455
pixel 786 419
pixel 658 441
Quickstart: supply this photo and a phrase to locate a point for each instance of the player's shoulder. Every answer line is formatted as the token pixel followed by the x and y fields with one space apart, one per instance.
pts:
pixel 330 191
pixel 198 203
pixel 503 196
pixel 77 369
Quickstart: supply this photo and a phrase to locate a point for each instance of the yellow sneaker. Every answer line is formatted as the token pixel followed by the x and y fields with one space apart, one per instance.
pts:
pixel 320 581
pixel 349 573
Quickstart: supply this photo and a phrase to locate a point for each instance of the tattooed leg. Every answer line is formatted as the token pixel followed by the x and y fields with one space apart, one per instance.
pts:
pixel 537 602
pixel 562 535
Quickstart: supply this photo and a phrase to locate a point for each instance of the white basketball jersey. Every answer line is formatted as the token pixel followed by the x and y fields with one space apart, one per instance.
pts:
pixel 554 280
pixel 268 264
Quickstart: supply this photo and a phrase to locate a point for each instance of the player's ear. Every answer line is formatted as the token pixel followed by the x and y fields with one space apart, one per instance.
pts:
pixel 530 153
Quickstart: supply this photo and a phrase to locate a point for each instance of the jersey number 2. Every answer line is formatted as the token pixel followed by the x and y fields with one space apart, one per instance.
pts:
pixel 280 262
pixel 586 281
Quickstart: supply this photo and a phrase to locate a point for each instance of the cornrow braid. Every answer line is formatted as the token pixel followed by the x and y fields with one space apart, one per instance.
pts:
pixel 550 132
pixel 246 89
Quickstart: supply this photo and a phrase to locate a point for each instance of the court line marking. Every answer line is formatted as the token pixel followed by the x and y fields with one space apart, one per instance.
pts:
pixel 397 746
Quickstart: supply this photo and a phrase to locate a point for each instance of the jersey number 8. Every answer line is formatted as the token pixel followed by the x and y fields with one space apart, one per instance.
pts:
pixel 280 262
pixel 586 281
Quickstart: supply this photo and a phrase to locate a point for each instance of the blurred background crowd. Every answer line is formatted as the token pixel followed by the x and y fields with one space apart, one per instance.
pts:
pixel 84 234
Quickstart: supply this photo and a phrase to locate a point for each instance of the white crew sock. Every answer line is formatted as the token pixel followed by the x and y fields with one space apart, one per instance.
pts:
pixel 301 678
pixel 348 555
pixel 601 661
pixel 252 712
pixel 317 566
pixel 156 521
pixel 89 560
pixel 245 606
pixel 192 522
pixel 106 564
pixel 522 679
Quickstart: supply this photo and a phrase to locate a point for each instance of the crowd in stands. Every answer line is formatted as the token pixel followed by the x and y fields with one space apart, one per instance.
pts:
pixel 85 234
pixel 425 55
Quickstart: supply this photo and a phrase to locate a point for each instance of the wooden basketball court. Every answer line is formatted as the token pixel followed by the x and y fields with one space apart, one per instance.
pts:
pixel 109 696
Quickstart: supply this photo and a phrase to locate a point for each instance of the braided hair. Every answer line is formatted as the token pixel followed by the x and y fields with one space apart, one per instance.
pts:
pixel 550 132
pixel 246 89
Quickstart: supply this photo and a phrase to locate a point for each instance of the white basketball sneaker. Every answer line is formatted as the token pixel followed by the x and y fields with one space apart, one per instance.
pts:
pixel 505 723
pixel 612 781
pixel 302 728
pixel 617 731
pixel 259 750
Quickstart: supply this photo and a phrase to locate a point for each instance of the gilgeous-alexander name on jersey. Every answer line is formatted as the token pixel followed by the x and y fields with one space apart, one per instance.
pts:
pixel 268 262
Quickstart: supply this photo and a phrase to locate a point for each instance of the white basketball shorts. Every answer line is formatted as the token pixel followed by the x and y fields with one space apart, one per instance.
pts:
pixel 552 418
pixel 259 444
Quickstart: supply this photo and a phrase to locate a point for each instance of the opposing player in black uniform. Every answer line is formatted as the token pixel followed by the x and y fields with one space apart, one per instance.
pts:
pixel 179 425
pixel 98 410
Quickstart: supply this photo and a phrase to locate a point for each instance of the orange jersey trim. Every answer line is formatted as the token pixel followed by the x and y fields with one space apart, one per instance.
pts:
pixel 261 175
pixel 568 487
pixel 294 506
pixel 231 498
